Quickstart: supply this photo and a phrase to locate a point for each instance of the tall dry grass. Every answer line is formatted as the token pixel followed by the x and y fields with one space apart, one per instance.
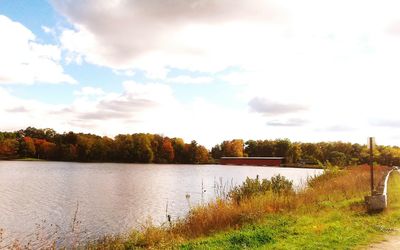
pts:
pixel 223 214
pixel 340 185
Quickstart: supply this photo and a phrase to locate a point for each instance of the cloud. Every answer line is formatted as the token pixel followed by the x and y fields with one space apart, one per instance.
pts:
pixel 138 103
pixel 274 37
pixel 20 109
pixel 268 107
pixel 154 34
pixel 393 123
pixel 293 122
pixel 47 30
pixel 89 91
pixel 23 60
pixel 186 79
pixel 339 128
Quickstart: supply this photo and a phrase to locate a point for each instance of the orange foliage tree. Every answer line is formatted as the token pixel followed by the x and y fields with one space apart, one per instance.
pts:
pixel 9 148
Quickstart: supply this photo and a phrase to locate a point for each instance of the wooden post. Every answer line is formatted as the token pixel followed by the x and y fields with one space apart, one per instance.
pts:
pixel 371 162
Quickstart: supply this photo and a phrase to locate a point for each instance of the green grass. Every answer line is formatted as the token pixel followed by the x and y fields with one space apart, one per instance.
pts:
pixel 330 225
pixel 28 159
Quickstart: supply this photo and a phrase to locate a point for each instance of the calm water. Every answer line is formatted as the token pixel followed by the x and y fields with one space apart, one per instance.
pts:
pixel 111 198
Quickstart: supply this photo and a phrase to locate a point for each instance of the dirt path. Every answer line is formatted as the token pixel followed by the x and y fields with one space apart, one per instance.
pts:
pixel 391 242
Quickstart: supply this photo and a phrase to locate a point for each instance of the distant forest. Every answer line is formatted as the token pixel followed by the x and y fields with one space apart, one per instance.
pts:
pixel 47 144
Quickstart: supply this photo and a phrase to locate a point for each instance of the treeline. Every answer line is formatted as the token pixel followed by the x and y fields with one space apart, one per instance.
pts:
pixel 337 153
pixel 46 144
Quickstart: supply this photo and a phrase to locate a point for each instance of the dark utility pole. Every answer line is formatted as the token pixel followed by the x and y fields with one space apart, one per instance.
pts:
pixel 371 162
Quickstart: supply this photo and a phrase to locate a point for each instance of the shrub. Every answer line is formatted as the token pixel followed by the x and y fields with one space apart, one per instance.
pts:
pixel 279 185
pixel 251 187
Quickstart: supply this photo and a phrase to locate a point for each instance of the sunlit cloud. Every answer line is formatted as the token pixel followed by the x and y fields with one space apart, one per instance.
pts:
pixel 293 122
pixel 24 60
pixel 268 107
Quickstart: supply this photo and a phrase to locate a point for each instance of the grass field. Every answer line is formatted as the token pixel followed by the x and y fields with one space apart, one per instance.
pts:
pixel 343 224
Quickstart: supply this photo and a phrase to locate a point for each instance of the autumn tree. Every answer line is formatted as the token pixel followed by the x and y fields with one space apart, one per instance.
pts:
pixel 179 150
pixel 202 155
pixel 233 148
pixel 27 147
pixel 9 148
pixel 167 151
pixel 45 150
pixel 294 153
pixel 311 152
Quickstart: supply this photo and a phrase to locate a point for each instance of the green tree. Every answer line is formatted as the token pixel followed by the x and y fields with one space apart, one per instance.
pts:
pixel 142 145
pixel 295 153
pixel 282 147
pixel 216 152
pixel 179 150
pixel 337 158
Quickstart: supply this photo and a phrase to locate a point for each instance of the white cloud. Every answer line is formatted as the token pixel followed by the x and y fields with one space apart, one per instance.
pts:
pixel 89 91
pixel 133 110
pixel 292 122
pixel 25 61
pixel 186 79
pixel 152 35
pixel 47 30
pixel 268 107
pixel 124 72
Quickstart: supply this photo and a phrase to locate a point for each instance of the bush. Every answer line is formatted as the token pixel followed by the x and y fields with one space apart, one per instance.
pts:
pixel 251 187
pixel 279 185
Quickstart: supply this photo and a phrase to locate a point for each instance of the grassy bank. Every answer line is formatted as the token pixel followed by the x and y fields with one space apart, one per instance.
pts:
pixel 29 159
pixel 340 224
pixel 329 214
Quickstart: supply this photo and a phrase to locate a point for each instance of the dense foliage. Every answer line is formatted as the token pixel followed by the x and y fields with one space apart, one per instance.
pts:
pixel 142 148
pixel 337 153
pixel 47 144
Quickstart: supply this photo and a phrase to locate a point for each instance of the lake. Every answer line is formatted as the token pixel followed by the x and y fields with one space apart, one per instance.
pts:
pixel 41 199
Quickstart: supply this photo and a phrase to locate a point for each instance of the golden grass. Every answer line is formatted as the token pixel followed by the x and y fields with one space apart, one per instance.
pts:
pixel 224 214
pixel 346 184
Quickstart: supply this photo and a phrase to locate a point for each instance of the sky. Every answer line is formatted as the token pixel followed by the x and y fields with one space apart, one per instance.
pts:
pixel 204 70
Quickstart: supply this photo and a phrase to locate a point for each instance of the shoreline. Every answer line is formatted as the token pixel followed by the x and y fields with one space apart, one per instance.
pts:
pixel 155 163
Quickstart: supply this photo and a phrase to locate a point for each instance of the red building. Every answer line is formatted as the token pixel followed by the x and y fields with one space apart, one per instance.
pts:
pixel 252 161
